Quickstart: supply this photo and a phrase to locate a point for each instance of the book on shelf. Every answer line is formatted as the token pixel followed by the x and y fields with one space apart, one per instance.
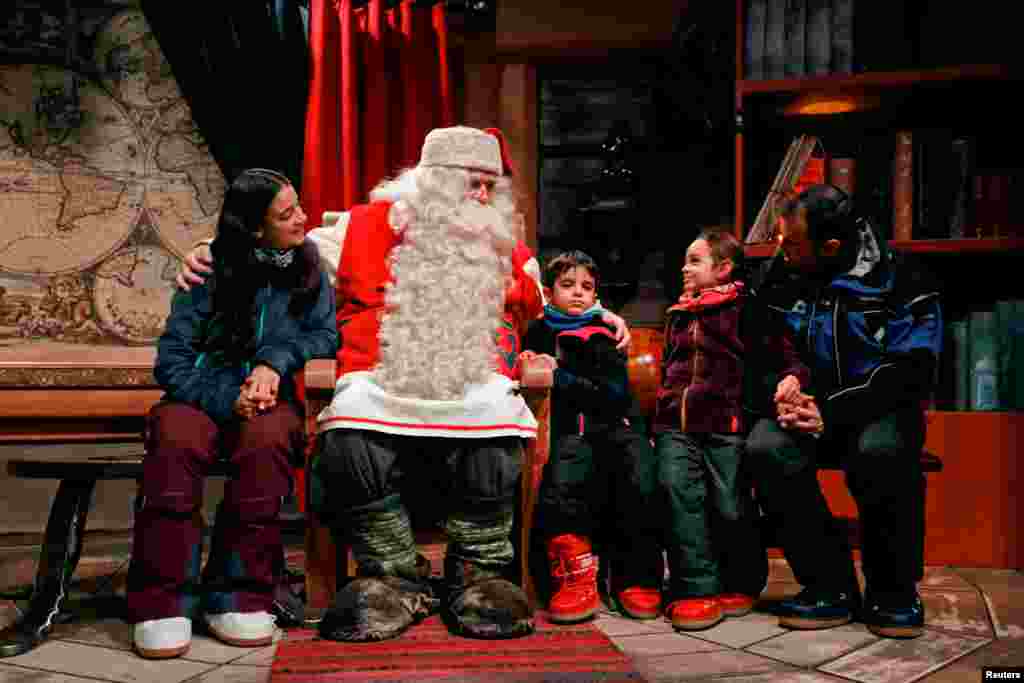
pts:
pixel 842 172
pixel 797 170
pixel 818 40
pixel 775 40
pixel 903 187
pixel 959 354
pixel 842 36
pixel 991 209
pixel 963 150
pixel 753 48
pixel 796 26
pixel 935 184
pixel 874 184
pixel 1010 315
pixel 982 362
pixel 997 199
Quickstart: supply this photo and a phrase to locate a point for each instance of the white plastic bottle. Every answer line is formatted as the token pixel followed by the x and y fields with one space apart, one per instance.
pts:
pixel 986 384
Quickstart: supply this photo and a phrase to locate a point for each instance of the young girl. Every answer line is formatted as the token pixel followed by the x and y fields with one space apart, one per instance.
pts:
pixel 699 435
pixel 226 360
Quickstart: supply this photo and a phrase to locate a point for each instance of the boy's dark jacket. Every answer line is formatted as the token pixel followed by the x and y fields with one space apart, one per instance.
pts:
pixel 591 382
pixel 715 363
pixel 871 335
pixel 190 373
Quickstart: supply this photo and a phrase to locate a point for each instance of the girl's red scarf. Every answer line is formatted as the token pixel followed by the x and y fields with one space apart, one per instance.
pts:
pixel 709 298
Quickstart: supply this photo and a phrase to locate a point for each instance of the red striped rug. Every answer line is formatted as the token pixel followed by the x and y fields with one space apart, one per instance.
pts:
pixel 427 652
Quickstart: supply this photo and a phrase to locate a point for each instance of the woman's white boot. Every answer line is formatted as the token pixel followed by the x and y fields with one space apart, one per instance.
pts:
pixel 162 638
pixel 244 629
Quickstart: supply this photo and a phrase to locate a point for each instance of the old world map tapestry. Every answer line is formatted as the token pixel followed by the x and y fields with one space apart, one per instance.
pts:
pixel 105 183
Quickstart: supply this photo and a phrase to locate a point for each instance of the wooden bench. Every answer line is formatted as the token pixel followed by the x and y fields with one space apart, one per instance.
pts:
pixel 325 561
pixel 645 375
pixel 65 530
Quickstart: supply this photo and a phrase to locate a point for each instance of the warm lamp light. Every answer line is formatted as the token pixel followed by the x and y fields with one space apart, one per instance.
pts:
pixel 819 104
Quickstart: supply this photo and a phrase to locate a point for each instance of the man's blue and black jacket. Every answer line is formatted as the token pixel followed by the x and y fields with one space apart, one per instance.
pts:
pixel 871 335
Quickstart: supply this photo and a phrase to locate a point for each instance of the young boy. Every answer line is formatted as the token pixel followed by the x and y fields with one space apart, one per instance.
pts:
pixel 699 431
pixel 601 472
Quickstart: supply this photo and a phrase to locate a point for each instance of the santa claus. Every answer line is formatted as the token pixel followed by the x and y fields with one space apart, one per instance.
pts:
pixel 421 280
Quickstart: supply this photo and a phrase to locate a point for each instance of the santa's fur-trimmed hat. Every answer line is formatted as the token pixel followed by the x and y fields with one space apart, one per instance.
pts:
pixel 463 147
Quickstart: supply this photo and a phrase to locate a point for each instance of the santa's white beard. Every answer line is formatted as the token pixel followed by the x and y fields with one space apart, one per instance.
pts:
pixel 445 303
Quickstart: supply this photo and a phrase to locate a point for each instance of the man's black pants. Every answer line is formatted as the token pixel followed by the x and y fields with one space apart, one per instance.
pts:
pixel 881 460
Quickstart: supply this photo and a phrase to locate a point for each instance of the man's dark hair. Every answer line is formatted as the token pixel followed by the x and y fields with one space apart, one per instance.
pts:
pixel 568 260
pixel 724 245
pixel 830 214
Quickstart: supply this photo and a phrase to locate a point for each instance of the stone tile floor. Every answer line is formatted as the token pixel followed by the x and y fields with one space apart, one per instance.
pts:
pixel 975 618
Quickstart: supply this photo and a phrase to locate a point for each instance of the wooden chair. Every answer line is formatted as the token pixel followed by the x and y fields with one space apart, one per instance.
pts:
pixel 325 560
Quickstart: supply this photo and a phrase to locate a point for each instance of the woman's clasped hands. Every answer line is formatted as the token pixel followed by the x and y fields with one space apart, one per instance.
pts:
pixel 258 393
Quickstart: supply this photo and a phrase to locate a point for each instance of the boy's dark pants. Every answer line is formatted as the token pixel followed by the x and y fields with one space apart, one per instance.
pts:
pixel 182 443
pixel 712 536
pixel 600 484
pixel 881 460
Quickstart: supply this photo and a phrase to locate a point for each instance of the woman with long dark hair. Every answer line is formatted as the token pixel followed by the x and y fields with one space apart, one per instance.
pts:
pixel 226 361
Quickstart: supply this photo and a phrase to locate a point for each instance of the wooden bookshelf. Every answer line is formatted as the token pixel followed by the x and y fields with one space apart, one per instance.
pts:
pixel 950 246
pixel 973 504
pixel 960 246
pixel 873 81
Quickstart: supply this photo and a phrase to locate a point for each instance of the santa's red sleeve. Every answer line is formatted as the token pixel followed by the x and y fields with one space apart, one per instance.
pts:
pixel 524 303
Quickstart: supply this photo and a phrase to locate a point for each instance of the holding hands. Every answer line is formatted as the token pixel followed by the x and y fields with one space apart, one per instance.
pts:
pixel 797 410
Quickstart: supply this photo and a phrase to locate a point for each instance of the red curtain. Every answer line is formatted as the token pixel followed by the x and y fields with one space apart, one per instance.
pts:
pixel 379 83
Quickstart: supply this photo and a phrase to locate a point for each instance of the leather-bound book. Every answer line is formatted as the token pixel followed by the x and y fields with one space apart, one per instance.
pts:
pixel 796 26
pixel 960 355
pixel 998 196
pixel 842 36
pixel 818 41
pixel 980 214
pixel 775 40
pixel 842 172
pixel 903 187
pixel 757 12
pixel 935 177
pixel 963 149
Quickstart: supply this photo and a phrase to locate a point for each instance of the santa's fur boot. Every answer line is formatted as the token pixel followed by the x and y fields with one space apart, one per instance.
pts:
pixel 482 604
pixel 573 579
pixel 377 608
pixel 390 593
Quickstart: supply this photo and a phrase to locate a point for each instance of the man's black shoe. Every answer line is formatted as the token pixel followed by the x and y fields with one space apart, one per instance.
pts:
pixel 813 609
pixel 894 615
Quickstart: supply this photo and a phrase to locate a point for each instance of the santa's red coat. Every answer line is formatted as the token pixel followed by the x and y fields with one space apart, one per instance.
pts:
pixel 362 280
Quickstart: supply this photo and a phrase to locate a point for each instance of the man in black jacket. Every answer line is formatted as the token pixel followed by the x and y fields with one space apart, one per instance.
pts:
pixel 870 329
